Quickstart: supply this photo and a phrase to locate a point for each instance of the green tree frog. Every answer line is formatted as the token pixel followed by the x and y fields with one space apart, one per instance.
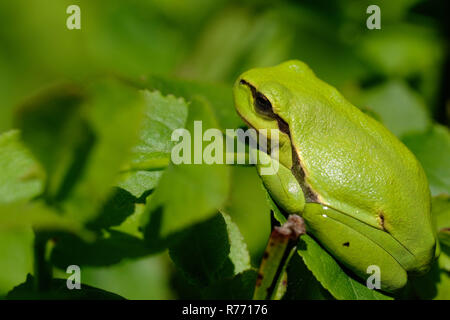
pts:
pixel 361 192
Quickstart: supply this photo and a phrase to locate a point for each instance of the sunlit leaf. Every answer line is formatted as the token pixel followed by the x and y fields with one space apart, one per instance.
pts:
pixel 188 193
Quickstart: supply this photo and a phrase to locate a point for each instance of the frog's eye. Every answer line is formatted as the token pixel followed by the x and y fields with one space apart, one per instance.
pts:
pixel 262 104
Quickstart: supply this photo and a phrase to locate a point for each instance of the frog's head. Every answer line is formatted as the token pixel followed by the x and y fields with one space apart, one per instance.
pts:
pixel 263 97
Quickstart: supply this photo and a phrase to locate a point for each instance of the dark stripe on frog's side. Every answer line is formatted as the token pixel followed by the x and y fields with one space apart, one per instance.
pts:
pixel 299 174
pixel 297 169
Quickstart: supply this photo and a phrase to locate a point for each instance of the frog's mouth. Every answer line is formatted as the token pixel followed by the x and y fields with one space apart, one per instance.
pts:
pixel 263 107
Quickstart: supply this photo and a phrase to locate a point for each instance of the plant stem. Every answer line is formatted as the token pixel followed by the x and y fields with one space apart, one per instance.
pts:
pixel 42 268
pixel 279 250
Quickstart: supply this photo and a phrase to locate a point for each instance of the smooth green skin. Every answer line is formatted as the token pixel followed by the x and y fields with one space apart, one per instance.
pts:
pixel 365 196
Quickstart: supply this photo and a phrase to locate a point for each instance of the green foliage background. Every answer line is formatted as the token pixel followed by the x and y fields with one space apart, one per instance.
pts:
pixel 86 117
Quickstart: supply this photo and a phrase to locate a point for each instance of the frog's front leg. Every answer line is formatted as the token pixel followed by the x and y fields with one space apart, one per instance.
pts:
pixel 281 184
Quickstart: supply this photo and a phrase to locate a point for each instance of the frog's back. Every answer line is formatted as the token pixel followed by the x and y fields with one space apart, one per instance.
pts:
pixel 346 154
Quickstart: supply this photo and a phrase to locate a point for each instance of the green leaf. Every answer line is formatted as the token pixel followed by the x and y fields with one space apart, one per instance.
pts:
pixel 219 97
pixel 301 283
pixel 119 206
pixel 139 182
pixel 202 250
pixel 152 153
pixel 247 206
pixel 432 149
pixel 187 193
pixel 400 109
pixel 59 291
pixel 239 287
pixel 132 224
pixel 281 286
pixel 21 177
pixel 331 275
pixel 238 255
pixel 162 116
pixel 210 251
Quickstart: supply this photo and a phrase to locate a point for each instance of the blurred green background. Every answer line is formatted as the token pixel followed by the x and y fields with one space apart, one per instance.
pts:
pixel 399 73
pixel 215 40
